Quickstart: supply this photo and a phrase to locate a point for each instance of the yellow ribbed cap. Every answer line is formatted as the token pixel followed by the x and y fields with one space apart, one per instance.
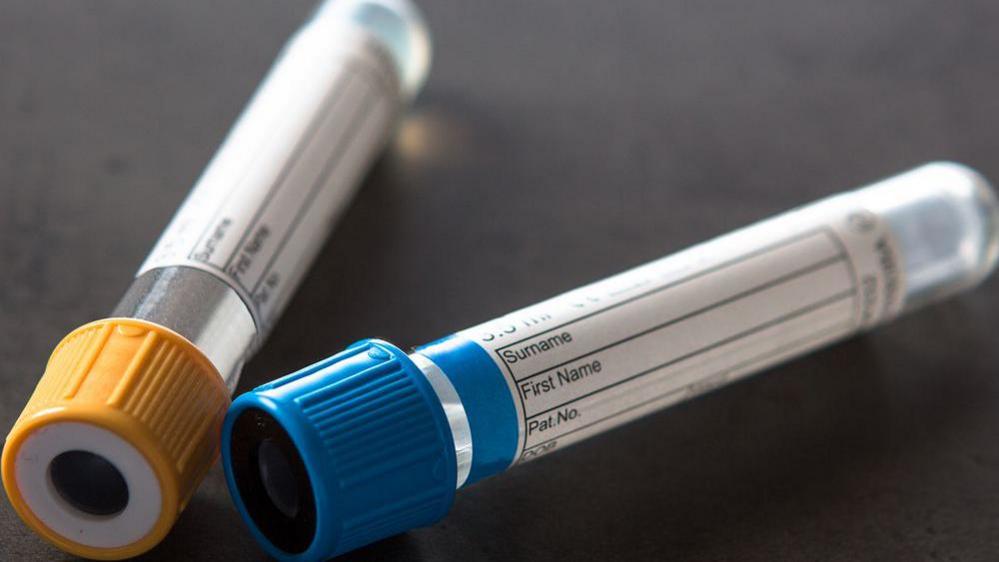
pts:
pixel 147 385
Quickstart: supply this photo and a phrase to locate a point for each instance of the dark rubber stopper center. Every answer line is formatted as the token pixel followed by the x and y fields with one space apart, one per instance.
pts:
pixel 278 478
pixel 89 483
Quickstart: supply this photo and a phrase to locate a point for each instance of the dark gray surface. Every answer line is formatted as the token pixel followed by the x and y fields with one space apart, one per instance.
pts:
pixel 556 143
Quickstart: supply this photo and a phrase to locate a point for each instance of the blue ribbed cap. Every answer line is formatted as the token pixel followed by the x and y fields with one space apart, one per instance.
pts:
pixel 343 453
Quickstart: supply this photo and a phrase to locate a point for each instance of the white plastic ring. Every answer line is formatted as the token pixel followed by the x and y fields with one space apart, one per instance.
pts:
pixel 31 469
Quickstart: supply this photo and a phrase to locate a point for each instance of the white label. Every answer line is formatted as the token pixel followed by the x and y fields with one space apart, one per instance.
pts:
pixel 610 352
pixel 262 208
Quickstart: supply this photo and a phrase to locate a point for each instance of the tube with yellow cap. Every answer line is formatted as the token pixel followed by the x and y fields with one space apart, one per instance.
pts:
pixel 125 420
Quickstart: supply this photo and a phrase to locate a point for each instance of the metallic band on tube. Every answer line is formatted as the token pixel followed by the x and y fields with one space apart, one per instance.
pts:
pixel 200 307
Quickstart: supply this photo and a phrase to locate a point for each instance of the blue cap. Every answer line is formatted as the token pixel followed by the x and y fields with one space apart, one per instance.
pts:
pixel 338 455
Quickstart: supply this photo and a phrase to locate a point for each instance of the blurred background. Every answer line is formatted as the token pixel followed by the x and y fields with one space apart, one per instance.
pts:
pixel 555 143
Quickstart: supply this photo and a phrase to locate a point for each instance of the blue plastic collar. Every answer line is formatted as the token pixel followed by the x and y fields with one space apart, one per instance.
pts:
pixel 492 414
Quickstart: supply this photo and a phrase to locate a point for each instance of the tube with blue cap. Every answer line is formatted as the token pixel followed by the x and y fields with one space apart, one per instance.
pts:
pixel 375 441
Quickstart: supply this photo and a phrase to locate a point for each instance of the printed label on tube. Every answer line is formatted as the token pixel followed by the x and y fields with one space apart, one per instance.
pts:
pixel 610 352
pixel 263 207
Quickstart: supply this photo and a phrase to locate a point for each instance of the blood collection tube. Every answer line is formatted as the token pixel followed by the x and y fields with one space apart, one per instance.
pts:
pixel 374 441
pixel 125 421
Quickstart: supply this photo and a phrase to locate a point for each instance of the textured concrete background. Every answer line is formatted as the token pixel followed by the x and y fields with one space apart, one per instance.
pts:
pixel 556 143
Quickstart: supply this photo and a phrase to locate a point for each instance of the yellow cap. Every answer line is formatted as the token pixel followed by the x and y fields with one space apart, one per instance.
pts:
pixel 135 383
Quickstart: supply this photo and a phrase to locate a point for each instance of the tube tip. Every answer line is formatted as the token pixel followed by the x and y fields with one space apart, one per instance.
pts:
pixel 944 217
pixel 977 196
pixel 398 25
pixel 119 432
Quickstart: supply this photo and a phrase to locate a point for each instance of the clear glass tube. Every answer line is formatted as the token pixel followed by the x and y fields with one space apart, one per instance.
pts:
pixel 415 427
pixel 125 421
